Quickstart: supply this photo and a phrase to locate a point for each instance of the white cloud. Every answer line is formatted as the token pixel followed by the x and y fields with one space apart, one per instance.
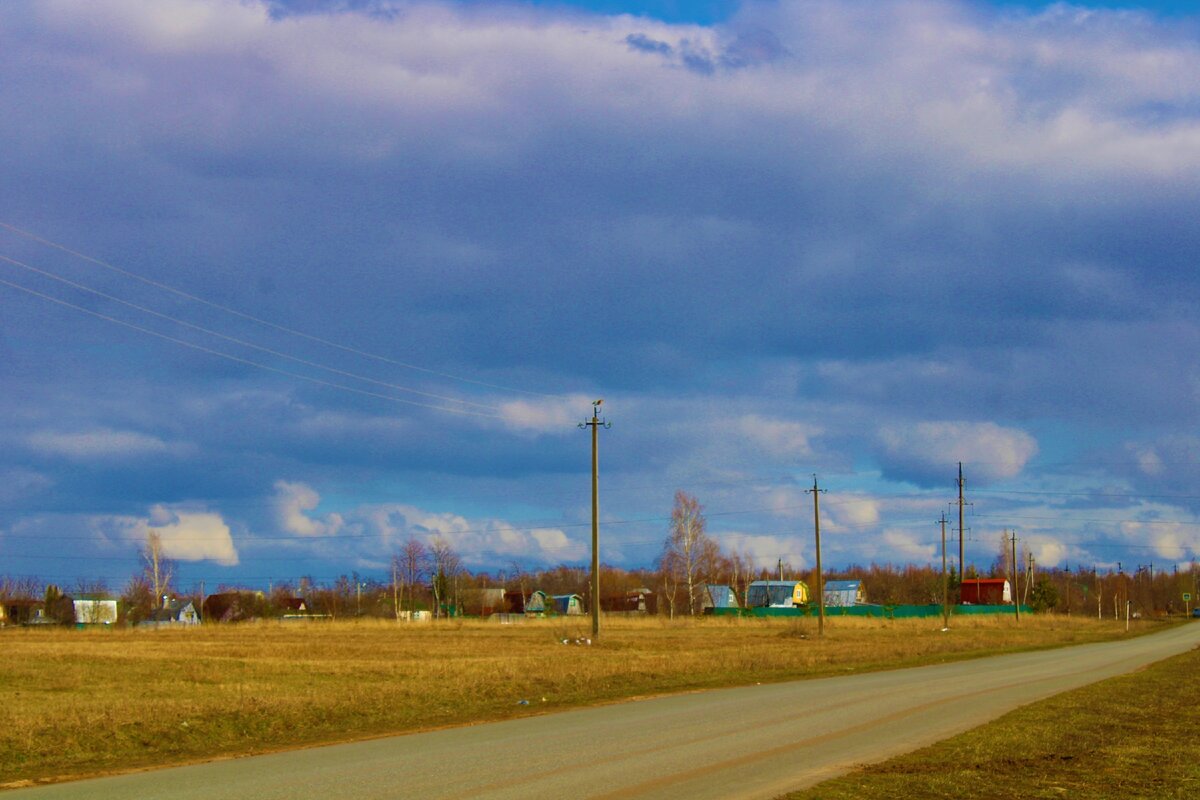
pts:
pixel 1175 541
pixel 547 415
pixel 930 450
pixel 765 551
pixel 292 500
pixel 851 513
pixel 782 438
pixel 382 528
pixel 186 534
pixel 909 546
pixel 102 444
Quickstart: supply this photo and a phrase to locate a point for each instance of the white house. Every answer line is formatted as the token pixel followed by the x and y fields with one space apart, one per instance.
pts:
pixel 93 609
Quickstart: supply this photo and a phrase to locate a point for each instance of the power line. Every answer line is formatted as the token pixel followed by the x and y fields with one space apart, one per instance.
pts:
pixel 260 321
pixel 244 361
pixel 1115 495
pixel 238 341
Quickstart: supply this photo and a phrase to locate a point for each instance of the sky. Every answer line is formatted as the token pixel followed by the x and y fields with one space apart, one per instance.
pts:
pixel 287 283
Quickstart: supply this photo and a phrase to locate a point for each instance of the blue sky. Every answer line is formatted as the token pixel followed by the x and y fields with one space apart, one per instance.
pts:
pixel 289 282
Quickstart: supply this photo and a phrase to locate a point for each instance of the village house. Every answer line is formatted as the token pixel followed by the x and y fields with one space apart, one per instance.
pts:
pixel 843 593
pixel 173 612
pixel 718 595
pixel 568 604
pixel 536 603
pixel 95 609
pixel 776 594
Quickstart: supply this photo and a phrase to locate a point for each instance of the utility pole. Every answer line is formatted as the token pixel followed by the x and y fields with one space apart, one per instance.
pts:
pixel 595 423
pixel 961 565
pixel 945 579
pixel 1028 576
pixel 816 492
pixel 1016 599
pixel 1069 590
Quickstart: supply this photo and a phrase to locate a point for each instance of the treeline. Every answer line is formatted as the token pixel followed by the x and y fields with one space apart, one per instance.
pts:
pixel 458 591
pixel 428 575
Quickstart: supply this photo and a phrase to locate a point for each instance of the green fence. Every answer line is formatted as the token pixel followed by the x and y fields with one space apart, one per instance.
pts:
pixel 876 611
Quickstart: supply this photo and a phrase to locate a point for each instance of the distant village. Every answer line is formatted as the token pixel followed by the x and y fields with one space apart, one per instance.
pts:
pixel 693 577
pixel 881 591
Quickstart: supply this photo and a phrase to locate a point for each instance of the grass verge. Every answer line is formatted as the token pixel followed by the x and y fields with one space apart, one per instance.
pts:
pixel 1133 736
pixel 90 702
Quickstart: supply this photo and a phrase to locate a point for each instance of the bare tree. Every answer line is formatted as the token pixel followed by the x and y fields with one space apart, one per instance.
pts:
pixel 688 552
pixel 446 569
pixel 412 564
pixel 518 574
pixel 157 568
pixel 668 570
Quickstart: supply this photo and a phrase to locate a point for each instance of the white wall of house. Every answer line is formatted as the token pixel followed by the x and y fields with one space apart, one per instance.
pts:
pixel 96 612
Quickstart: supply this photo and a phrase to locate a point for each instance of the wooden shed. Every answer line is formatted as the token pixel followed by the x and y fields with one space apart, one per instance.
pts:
pixel 568 604
pixel 536 602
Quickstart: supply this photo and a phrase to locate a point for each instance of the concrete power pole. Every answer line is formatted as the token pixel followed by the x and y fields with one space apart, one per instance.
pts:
pixel 816 492
pixel 1028 576
pixel 1015 598
pixel 945 579
pixel 595 423
pixel 961 564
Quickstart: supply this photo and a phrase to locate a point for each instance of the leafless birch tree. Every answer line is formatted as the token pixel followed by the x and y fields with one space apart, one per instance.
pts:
pixel 158 569
pixel 688 553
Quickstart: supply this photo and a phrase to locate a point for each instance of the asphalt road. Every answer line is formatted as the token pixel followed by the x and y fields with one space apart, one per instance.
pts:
pixel 750 742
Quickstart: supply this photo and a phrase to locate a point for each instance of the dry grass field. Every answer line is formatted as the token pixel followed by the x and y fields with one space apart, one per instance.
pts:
pixel 1133 736
pixel 86 702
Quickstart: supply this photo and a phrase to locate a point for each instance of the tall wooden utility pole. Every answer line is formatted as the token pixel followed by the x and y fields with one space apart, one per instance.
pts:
pixel 961 564
pixel 1016 600
pixel 816 492
pixel 595 423
pixel 945 579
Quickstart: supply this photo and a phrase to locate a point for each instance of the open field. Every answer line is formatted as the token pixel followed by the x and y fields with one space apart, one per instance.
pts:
pixel 88 702
pixel 1129 736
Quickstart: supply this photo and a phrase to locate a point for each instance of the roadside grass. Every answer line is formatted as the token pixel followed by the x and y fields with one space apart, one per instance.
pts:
pixel 1133 736
pixel 88 702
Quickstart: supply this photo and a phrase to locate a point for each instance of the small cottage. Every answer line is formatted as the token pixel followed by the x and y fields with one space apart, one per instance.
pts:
pixel 21 611
pixel 635 601
pixel 568 604
pixel 174 612
pixel 536 603
pixel 776 594
pixel 843 593
pixel 718 595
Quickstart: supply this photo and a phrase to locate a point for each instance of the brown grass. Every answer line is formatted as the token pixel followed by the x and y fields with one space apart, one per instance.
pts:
pixel 94 701
pixel 1132 736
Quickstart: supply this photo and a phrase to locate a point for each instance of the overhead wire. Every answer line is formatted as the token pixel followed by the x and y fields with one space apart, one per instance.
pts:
pixel 244 361
pixel 242 342
pixel 261 321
